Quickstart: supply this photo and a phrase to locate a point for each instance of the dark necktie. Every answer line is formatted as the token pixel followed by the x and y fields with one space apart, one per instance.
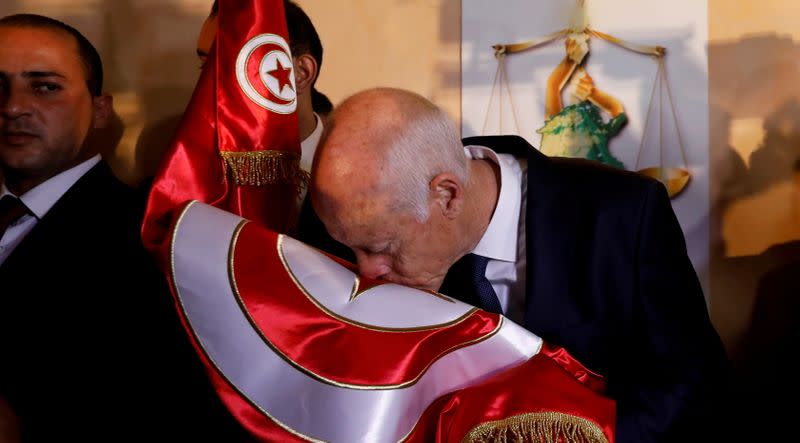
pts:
pixel 466 280
pixel 11 209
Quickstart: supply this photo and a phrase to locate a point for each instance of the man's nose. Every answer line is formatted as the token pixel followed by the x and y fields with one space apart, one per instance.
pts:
pixel 372 266
pixel 14 103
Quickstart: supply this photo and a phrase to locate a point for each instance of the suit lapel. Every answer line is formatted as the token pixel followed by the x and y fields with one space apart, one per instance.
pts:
pixel 552 226
pixel 56 225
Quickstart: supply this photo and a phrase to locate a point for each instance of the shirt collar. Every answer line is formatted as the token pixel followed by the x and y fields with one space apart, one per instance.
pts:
pixel 309 145
pixel 43 196
pixel 499 242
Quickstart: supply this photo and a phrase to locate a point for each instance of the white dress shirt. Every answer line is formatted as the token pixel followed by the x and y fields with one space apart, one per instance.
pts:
pixel 503 243
pixel 307 149
pixel 39 200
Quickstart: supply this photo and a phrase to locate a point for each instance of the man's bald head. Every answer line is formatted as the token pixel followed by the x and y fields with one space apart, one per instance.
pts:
pixel 388 140
pixel 388 181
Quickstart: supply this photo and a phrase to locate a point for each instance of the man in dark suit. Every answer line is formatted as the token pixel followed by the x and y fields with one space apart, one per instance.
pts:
pixel 90 342
pixel 587 257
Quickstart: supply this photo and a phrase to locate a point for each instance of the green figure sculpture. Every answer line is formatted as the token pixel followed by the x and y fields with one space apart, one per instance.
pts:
pixel 578 130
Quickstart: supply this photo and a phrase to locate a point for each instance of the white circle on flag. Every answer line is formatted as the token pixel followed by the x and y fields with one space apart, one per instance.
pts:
pixel 284 100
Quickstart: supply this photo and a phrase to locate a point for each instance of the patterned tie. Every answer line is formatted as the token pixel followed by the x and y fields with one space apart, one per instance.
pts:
pixel 466 280
pixel 11 209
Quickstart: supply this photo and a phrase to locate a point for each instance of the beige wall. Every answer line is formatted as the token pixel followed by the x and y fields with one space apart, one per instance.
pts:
pixel 399 43
pixel 148 48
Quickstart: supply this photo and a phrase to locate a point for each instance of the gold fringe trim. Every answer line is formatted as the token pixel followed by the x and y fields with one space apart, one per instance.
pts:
pixel 260 168
pixel 540 427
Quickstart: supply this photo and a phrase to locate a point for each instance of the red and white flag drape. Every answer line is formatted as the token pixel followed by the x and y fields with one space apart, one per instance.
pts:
pixel 237 147
pixel 298 346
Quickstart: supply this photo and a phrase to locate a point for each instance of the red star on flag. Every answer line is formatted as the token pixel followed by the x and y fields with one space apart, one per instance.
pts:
pixel 282 75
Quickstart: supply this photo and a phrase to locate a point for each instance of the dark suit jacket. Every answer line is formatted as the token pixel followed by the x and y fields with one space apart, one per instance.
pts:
pixel 608 278
pixel 90 342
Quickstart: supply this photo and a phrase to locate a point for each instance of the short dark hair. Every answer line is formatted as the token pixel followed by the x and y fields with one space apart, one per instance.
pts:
pixel 303 37
pixel 320 102
pixel 87 52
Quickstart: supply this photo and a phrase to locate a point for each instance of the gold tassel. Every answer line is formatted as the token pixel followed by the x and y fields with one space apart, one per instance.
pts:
pixel 539 427
pixel 260 168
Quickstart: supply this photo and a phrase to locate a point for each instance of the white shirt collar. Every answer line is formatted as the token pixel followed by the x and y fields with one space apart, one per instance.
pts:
pixel 309 145
pixel 44 195
pixel 499 242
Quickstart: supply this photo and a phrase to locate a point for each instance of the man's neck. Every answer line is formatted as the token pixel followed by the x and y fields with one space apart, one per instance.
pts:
pixel 481 195
pixel 307 122
pixel 20 183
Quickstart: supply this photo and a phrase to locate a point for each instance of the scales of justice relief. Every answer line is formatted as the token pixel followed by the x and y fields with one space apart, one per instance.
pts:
pixel 583 129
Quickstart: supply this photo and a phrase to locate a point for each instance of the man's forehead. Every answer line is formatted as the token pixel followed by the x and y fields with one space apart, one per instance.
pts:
pixel 364 233
pixel 36 33
pixel 360 208
pixel 346 169
pixel 361 218
pixel 37 48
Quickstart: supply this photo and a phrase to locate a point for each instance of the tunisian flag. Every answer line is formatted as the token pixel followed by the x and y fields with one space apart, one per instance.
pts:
pixel 301 348
pixel 237 147
pixel 297 345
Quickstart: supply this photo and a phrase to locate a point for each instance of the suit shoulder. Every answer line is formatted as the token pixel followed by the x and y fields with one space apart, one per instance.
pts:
pixel 101 203
pixel 118 197
pixel 597 181
pixel 577 178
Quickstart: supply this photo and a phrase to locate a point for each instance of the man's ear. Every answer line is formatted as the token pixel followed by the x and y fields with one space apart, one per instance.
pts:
pixel 447 192
pixel 103 106
pixel 305 72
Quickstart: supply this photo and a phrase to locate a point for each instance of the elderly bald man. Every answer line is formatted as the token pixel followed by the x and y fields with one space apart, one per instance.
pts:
pixel 585 256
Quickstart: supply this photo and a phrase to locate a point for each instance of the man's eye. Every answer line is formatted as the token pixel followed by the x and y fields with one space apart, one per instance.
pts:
pixel 46 88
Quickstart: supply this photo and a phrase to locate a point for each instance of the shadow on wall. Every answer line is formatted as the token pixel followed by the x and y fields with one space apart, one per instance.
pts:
pixel 755 252
pixel 152 76
pixel 448 68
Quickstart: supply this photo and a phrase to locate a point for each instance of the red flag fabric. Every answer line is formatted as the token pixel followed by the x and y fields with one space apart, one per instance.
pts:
pixel 300 348
pixel 237 146
pixel 297 346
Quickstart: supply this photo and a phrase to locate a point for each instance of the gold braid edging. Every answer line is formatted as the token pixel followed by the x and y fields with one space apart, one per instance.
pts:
pixel 260 168
pixel 539 427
